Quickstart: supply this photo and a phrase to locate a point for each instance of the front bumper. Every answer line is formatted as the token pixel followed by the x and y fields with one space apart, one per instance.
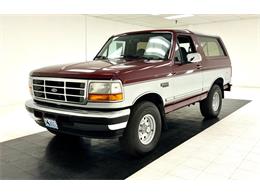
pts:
pixel 81 122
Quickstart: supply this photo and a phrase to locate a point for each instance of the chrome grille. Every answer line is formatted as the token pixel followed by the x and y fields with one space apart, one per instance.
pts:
pixel 63 90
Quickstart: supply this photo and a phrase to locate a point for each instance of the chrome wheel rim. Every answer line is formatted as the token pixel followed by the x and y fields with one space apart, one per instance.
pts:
pixel 216 101
pixel 146 129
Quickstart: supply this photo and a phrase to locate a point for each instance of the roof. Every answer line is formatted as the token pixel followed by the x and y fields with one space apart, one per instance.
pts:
pixel 166 30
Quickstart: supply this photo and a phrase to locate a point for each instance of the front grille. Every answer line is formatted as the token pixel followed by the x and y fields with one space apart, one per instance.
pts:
pixel 64 90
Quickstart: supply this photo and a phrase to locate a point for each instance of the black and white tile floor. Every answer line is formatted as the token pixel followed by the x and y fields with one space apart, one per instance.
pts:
pixel 44 156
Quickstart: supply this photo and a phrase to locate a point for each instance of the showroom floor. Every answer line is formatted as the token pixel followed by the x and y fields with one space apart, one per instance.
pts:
pixel 192 149
pixel 227 150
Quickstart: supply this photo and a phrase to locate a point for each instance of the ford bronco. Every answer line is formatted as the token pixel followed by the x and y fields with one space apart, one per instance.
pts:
pixel 132 83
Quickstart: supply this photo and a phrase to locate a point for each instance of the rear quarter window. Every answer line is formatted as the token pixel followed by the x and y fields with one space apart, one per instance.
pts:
pixel 211 46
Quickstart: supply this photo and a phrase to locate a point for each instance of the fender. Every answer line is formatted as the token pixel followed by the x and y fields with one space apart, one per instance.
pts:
pixel 148 93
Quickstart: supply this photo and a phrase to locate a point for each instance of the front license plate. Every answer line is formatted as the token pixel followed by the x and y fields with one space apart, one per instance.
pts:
pixel 50 123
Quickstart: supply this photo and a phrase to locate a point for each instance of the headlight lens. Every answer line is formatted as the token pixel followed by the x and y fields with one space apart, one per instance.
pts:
pixel 105 91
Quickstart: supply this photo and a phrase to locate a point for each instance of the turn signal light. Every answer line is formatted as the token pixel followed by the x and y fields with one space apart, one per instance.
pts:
pixel 105 97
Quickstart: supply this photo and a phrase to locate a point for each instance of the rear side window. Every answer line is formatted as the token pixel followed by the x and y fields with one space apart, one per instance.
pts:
pixel 211 47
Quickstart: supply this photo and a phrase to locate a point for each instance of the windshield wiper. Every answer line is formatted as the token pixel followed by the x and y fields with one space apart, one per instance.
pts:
pixel 101 57
pixel 140 57
pixel 130 56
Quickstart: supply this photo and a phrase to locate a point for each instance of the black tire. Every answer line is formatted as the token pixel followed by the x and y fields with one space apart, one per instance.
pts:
pixel 206 105
pixel 130 140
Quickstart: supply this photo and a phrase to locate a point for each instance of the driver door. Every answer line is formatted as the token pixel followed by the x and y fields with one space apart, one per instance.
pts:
pixel 187 76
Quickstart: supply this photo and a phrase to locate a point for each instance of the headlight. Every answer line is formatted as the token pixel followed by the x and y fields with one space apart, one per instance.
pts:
pixel 105 92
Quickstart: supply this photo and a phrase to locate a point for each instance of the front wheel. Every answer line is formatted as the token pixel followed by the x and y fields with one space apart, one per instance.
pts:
pixel 211 106
pixel 143 130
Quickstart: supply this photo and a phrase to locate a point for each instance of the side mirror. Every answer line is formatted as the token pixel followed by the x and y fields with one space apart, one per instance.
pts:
pixel 194 57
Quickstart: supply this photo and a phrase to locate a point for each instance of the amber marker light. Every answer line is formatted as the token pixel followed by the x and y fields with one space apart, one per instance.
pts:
pixel 105 97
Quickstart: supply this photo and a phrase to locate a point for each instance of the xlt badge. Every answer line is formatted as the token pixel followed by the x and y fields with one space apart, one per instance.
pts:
pixel 166 84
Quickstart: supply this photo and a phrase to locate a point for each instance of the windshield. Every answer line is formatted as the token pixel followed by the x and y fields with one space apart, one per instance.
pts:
pixel 154 46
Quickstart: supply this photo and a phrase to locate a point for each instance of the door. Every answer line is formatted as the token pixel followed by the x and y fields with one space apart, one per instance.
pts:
pixel 187 76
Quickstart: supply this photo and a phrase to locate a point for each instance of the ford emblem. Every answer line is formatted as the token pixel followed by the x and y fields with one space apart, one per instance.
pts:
pixel 54 90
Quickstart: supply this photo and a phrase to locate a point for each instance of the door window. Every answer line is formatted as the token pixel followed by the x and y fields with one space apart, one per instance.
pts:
pixel 185 47
pixel 177 57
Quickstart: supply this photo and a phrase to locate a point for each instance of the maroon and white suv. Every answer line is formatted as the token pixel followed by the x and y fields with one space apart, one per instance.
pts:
pixel 135 79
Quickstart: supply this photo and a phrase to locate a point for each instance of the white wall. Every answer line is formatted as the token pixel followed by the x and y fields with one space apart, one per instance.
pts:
pixel 28 42
pixel 99 30
pixel 242 39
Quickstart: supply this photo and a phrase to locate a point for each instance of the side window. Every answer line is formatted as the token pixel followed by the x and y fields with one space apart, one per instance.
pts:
pixel 211 46
pixel 177 57
pixel 186 46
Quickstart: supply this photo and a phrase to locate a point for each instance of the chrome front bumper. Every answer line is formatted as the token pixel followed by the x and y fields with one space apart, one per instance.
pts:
pixel 113 120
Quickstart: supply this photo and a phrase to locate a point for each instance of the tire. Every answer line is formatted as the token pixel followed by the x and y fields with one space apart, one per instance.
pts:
pixel 146 117
pixel 211 106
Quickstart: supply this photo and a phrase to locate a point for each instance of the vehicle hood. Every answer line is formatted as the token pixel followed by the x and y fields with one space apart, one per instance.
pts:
pixel 125 70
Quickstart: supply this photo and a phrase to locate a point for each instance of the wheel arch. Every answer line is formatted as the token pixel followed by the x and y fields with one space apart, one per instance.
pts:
pixel 157 100
pixel 152 97
pixel 220 82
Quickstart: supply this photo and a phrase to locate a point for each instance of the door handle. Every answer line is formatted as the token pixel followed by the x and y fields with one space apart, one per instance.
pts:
pixel 199 66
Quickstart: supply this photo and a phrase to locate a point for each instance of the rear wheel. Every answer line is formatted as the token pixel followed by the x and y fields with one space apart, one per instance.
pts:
pixel 143 130
pixel 211 106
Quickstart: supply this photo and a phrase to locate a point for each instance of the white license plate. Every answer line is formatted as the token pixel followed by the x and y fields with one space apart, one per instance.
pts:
pixel 50 123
